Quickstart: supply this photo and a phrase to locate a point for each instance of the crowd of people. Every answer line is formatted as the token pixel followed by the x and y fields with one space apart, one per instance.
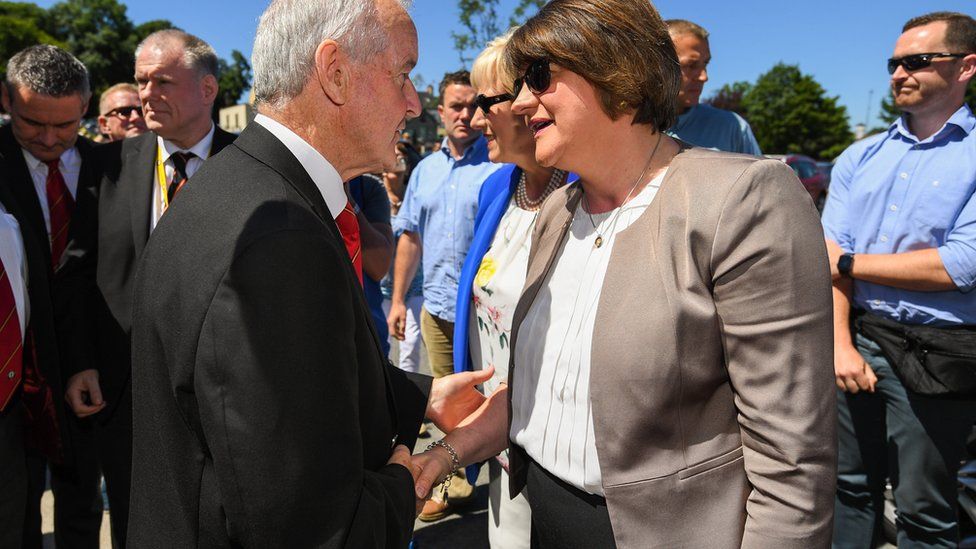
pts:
pixel 639 324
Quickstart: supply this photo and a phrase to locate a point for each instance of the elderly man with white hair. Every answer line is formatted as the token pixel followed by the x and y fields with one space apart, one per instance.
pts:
pixel 265 414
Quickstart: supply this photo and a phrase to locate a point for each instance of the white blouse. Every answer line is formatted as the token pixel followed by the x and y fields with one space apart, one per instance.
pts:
pixel 551 414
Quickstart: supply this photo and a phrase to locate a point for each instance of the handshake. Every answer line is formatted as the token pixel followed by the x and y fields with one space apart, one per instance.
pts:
pixel 476 427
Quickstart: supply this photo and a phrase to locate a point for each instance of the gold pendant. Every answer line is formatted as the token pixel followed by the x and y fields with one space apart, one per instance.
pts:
pixel 598 242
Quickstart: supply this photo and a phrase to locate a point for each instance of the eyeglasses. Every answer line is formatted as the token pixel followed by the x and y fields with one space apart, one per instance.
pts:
pixel 124 112
pixel 537 77
pixel 917 61
pixel 485 103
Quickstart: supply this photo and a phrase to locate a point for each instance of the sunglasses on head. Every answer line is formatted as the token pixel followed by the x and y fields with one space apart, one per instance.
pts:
pixel 537 77
pixel 917 61
pixel 485 103
pixel 124 112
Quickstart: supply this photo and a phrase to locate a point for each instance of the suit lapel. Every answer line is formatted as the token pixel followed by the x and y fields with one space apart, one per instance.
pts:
pixel 261 144
pixel 22 185
pixel 138 173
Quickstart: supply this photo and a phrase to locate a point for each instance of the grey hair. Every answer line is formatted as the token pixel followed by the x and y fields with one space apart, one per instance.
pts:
pixel 197 54
pixel 289 32
pixel 48 70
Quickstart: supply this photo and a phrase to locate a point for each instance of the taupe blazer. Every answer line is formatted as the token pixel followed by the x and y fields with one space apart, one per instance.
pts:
pixel 711 381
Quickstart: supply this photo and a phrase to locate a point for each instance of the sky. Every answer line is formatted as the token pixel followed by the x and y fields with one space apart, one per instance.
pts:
pixel 843 44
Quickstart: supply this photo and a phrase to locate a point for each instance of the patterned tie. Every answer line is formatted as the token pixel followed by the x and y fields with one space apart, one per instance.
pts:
pixel 180 160
pixel 60 205
pixel 349 228
pixel 11 343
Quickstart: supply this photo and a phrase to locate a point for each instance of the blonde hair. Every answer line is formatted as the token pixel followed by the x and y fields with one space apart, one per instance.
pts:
pixel 103 100
pixel 492 67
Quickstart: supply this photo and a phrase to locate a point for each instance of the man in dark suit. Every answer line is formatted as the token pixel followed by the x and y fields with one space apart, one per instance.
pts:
pixel 49 171
pixel 265 414
pixel 176 74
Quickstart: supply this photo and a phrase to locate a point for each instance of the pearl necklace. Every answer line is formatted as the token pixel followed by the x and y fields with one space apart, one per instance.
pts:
pixel 522 197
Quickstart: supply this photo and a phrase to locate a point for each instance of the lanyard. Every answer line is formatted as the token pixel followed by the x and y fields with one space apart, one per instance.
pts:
pixel 161 176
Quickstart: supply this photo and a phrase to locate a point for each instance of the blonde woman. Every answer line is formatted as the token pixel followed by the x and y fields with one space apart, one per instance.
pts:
pixel 494 270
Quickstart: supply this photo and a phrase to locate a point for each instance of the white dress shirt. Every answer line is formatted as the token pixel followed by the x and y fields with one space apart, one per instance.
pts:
pixel 323 174
pixel 70 166
pixel 15 263
pixel 551 414
pixel 202 152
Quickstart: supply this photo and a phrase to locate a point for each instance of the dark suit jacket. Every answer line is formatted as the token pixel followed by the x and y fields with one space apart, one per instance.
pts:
pixel 72 279
pixel 264 411
pixel 124 210
pixel 713 388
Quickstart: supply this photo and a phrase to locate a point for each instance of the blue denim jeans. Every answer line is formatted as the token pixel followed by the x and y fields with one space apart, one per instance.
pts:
pixel 918 442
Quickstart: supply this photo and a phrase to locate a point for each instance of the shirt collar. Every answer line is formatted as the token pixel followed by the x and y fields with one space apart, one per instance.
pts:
pixel 323 174
pixel 201 149
pixel 477 147
pixel 963 119
pixel 69 160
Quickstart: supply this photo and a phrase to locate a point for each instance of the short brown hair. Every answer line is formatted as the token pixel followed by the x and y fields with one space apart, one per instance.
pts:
pixel 462 78
pixel 960 29
pixel 680 27
pixel 621 47
pixel 123 86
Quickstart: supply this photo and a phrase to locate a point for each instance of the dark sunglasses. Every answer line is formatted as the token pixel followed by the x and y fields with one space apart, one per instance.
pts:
pixel 485 103
pixel 124 112
pixel 917 61
pixel 537 77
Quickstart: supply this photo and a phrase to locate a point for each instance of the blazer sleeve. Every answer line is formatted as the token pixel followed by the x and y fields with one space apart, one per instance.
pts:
pixel 279 404
pixel 771 288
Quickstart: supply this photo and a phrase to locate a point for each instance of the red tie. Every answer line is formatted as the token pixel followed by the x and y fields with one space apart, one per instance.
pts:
pixel 349 228
pixel 11 342
pixel 60 204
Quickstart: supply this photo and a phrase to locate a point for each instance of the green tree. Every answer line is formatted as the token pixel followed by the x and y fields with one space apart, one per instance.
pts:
pixel 729 97
pixel 22 25
pixel 791 113
pixel 482 23
pixel 234 79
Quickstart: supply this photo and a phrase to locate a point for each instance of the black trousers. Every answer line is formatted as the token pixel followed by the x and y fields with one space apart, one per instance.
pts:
pixel 77 494
pixel 565 517
pixel 114 440
pixel 13 475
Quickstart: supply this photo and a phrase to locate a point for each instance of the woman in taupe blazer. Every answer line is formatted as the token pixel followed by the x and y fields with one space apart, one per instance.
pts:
pixel 671 381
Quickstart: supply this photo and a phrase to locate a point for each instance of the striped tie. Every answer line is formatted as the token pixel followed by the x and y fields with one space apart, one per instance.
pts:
pixel 349 228
pixel 60 205
pixel 11 342
pixel 180 160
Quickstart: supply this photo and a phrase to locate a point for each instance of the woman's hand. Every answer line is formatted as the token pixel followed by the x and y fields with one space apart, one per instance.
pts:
pixel 430 469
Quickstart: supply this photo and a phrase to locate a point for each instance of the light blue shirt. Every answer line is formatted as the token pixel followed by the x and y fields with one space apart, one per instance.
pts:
pixel 440 204
pixel 718 129
pixel 891 193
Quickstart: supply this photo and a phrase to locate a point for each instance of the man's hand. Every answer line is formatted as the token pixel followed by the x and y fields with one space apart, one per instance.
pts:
pixel 433 467
pixel 84 394
pixel 401 456
pixel 852 373
pixel 834 252
pixel 454 397
pixel 397 319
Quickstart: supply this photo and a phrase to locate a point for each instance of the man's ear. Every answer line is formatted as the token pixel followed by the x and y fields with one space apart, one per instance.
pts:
pixel 968 70
pixel 332 71
pixel 210 88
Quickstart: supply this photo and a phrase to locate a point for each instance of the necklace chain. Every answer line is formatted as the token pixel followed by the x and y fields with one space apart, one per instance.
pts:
pixel 613 222
pixel 522 197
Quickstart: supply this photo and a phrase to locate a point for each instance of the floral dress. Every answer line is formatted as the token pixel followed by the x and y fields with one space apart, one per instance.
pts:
pixel 496 291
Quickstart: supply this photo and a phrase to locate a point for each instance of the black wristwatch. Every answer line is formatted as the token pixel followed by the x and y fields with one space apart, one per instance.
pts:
pixel 845 264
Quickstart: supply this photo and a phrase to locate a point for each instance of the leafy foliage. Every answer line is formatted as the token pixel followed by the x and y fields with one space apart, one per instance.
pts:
pixel 103 37
pixel 481 22
pixel 729 97
pixel 791 113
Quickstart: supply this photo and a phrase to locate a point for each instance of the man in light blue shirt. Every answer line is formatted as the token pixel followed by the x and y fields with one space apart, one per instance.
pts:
pixel 900 223
pixel 436 220
pixel 701 124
